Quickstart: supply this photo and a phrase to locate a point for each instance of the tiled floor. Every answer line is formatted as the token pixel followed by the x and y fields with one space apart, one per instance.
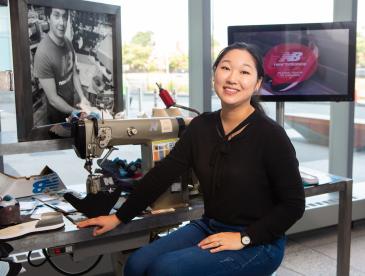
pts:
pixel 314 253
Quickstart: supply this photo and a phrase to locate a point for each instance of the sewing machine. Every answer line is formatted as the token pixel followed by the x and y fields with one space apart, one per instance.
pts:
pixel 156 137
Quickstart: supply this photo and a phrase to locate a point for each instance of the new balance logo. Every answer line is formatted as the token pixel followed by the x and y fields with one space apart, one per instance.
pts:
pixel 291 56
pixel 45 184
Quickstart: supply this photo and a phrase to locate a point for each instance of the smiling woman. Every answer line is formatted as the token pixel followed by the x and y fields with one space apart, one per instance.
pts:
pixel 238 75
pixel 236 79
pixel 245 162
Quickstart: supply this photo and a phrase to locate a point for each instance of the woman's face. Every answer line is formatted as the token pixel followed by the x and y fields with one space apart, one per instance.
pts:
pixel 235 78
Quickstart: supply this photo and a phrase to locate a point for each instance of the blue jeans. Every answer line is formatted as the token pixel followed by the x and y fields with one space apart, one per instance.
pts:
pixel 178 254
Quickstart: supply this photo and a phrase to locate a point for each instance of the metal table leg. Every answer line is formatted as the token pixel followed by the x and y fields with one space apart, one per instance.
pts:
pixel 344 230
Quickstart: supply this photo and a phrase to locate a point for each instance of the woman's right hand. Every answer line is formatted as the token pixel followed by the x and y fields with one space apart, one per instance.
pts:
pixel 101 224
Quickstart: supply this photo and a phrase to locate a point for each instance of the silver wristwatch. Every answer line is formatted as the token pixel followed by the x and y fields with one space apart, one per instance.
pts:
pixel 245 239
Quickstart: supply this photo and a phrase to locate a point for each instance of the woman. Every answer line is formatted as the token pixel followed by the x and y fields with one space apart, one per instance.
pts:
pixel 248 172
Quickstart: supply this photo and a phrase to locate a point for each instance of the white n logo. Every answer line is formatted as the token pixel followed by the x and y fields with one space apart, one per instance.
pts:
pixel 290 56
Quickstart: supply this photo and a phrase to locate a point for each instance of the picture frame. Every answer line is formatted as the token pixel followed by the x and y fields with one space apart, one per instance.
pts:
pixel 93 59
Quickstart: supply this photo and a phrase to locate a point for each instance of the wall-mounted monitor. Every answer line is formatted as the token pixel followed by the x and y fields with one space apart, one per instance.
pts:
pixel 304 62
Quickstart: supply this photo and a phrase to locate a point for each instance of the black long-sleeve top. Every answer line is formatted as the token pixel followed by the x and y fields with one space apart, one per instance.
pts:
pixel 255 183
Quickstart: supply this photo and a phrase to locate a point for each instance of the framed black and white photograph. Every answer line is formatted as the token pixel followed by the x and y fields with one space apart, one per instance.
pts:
pixel 67 59
pixel 3 2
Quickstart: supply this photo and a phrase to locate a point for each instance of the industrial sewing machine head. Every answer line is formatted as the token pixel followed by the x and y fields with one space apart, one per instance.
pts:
pixel 155 135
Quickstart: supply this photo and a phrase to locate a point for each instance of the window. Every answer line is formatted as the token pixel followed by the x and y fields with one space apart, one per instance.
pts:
pixel 5 40
pixel 155 49
pixel 359 131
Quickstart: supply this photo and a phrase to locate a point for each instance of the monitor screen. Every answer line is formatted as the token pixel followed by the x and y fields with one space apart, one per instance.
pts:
pixel 303 62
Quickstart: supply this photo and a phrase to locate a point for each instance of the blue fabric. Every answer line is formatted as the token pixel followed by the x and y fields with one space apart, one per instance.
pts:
pixel 178 254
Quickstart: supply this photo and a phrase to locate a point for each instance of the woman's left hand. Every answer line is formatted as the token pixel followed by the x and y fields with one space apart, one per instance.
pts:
pixel 101 224
pixel 222 241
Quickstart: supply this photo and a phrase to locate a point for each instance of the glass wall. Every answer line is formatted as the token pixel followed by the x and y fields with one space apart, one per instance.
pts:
pixel 155 49
pixel 359 132
pixel 5 40
pixel 312 148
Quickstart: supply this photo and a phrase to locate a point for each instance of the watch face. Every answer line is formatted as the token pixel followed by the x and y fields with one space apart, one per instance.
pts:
pixel 246 240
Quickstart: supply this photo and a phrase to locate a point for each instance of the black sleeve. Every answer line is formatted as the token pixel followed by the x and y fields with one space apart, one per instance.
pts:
pixel 159 178
pixel 282 169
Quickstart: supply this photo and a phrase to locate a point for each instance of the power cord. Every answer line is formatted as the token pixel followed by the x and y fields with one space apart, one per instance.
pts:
pixel 31 262
pixel 70 273
pixel 58 269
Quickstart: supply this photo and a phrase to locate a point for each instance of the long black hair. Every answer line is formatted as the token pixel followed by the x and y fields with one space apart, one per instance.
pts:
pixel 254 52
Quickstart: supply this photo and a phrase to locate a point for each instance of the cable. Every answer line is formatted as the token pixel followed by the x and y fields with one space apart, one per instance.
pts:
pixel 187 108
pixel 33 264
pixel 70 273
